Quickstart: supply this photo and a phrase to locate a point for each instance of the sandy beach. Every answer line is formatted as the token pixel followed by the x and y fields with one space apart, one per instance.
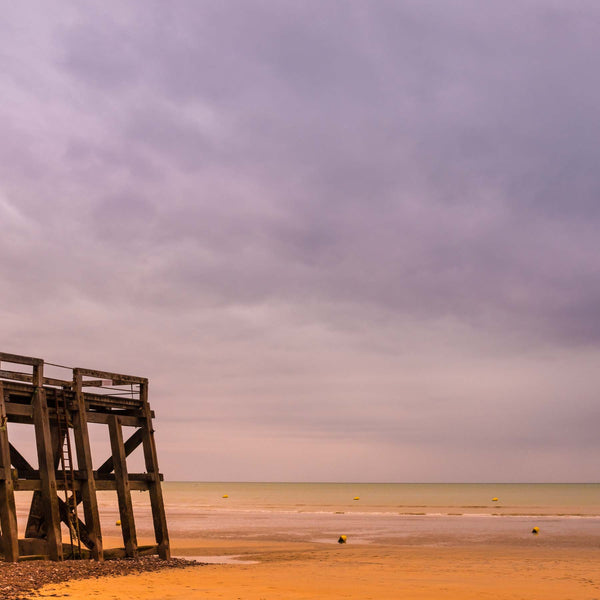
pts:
pixel 298 570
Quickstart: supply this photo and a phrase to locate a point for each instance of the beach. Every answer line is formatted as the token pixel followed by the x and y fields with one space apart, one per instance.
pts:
pixel 299 570
pixel 281 541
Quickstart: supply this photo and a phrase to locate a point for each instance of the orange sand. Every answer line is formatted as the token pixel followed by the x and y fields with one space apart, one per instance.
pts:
pixel 310 571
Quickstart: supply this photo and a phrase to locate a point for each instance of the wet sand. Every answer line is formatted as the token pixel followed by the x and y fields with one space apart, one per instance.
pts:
pixel 308 570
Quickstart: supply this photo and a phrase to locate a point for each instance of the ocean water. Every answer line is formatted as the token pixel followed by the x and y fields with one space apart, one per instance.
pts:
pixel 398 513
pixel 388 498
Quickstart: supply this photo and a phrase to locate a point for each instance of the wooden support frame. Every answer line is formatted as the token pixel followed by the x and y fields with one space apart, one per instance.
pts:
pixel 56 407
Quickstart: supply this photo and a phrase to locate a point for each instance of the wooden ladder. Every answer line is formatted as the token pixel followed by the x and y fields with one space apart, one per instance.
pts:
pixel 68 473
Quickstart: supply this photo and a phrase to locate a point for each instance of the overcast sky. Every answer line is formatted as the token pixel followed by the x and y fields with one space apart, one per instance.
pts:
pixel 346 241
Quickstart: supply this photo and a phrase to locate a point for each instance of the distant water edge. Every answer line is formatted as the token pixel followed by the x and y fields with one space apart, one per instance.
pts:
pixel 558 499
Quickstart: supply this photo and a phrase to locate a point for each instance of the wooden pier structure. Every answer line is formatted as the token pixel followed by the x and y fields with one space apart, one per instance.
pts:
pixel 65 483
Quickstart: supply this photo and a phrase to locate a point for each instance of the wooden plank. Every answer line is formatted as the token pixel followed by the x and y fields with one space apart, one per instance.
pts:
pixel 20 360
pixel 159 518
pixel 23 410
pixel 84 535
pixel 19 461
pixel 84 463
pixel 109 401
pixel 123 489
pixel 30 485
pixel 36 523
pixel 41 422
pixel 149 477
pixel 80 476
pixel 20 413
pixel 16 376
pixel 8 510
pixel 28 557
pixel 142 486
pixel 108 375
pixel 92 383
pixel 13 387
pixel 29 546
pixel 130 445
pixel 113 553
pixel 126 420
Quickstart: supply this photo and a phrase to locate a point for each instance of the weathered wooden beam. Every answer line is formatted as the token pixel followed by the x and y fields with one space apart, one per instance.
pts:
pixel 21 413
pixel 17 376
pixel 84 462
pixel 108 485
pixel 31 485
pixel 123 489
pixel 29 546
pixel 19 461
pixel 93 383
pixel 113 553
pixel 8 510
pixel 36 525
pixel 159 518
pixel 107 375
pixel 84 535
pixel 130 445
pixel 111 401
pixel 103 418
pixel 46 463
pixel 20 360
pixel 18 410
pixel 80 475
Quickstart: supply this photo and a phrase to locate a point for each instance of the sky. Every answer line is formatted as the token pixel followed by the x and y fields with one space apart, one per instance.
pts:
pixel 345 241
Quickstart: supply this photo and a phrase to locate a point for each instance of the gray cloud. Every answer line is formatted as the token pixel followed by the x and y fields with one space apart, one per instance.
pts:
pixel 322 216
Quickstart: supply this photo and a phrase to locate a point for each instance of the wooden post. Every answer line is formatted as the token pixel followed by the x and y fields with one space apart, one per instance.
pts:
pixel 36 524
pixel 8 511
pixel 123 489
pixel 84 463
pixel 41 422
pixel 156 498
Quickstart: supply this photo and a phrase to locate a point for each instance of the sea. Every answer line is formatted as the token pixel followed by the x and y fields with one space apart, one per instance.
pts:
pixel 422 514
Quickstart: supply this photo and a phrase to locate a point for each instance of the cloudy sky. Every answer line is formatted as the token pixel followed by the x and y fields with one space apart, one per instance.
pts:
pixel 346 241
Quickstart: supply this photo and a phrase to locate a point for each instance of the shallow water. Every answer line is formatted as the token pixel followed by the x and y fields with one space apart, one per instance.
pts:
pixel 414 514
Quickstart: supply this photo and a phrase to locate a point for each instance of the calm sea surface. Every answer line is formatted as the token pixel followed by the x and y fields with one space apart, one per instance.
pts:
pixel 388 498
pixel 418 514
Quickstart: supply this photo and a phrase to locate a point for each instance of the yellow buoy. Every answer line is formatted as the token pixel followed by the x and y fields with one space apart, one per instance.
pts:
pixel 118 523
pixel 494 499
pixel 356 498
pixel 342 539
pixel 535 530
pixel 224 496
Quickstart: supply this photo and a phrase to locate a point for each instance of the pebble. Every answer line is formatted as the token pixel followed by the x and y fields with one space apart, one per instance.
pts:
pixel 19 580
